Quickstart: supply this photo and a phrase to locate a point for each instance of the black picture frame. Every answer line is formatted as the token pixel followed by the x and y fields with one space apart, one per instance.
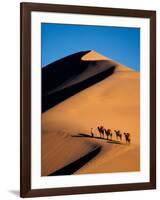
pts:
pixel 25 143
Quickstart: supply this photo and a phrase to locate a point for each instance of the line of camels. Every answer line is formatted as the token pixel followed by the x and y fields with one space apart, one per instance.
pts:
pixel 108 132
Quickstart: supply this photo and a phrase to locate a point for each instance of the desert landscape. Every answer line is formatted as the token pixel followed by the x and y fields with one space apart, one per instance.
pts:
pixel 90 116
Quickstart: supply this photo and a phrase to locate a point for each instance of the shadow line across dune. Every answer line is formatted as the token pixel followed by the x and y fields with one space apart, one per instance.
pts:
pixel 77 164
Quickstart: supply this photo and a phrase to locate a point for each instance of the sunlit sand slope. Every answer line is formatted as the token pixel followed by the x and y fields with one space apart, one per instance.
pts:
pixel 112 102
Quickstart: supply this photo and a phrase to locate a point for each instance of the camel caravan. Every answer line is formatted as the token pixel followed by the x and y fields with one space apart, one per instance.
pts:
pixel 108 133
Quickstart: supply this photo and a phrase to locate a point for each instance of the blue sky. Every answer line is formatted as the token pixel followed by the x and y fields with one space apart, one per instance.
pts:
pixel 118 43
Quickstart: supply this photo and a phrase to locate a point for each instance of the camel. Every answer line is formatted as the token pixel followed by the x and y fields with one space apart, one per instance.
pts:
pixel 101 130
pixel 127 137
pixel 118 134
pixel 108 133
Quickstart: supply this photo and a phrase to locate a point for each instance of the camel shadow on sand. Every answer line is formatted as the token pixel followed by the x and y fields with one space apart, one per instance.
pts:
pixel 100 138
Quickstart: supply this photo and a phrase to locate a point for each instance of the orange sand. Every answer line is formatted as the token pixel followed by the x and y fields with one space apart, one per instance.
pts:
pixel 113 103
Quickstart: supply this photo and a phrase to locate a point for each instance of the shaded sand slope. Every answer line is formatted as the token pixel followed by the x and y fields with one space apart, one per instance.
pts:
pixel 113 103
pixel 65 77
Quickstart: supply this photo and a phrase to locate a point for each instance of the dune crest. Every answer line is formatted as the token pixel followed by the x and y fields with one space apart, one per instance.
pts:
pixel 70 75
pixel 93 55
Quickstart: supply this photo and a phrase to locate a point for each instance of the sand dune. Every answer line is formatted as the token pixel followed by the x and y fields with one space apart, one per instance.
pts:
pixel 112 102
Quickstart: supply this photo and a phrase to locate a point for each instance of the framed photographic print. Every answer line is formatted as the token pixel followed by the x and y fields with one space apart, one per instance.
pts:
pixel 88 99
